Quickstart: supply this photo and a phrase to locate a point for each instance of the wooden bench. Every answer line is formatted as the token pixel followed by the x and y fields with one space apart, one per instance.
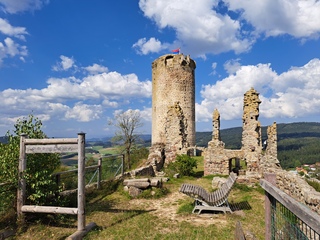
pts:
pixel 214 201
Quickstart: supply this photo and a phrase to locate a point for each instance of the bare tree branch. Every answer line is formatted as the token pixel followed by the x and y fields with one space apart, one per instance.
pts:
pixel 127 123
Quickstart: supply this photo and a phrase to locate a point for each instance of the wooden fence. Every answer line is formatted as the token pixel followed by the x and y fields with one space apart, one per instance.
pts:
pixel 98 168
pixel 54 146
pixel 285 217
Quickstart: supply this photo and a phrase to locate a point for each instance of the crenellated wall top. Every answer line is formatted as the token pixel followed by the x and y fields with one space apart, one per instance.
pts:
pixel 172 60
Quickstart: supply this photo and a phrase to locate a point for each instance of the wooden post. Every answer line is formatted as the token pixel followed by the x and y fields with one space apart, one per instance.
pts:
pixel 122 162
pixel 21 192
pixel 81 182
pixel 58 179
pixel 99 173
pixel 270 177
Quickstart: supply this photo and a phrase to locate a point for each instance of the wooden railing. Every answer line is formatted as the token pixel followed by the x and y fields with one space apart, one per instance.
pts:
pixel 98 167
pixel 285 217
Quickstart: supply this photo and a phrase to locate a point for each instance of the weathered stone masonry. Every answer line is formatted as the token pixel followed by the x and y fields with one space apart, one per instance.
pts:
pixel 173 132
pixel 218 159
pixel 173 104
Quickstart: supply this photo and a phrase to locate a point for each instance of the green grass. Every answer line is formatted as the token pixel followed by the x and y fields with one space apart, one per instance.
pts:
pixel 118 218
pixel 314 184
pixel 112 151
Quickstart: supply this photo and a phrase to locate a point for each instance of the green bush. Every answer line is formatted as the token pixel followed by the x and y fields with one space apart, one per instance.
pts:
pixel 39 166
pixel 184 165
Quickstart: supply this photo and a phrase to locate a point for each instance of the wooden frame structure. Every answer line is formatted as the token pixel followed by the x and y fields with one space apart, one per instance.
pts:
pixel 54 146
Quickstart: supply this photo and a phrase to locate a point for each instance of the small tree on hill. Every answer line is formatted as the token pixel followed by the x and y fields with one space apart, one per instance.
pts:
pixel 127 124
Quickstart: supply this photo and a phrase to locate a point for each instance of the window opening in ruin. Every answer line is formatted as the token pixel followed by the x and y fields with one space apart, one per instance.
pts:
pixel 237 165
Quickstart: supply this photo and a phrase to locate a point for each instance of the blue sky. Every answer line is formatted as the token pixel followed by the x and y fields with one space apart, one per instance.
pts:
pixel 76 63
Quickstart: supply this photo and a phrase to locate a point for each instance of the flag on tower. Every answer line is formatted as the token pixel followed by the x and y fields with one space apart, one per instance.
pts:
pixel 176 50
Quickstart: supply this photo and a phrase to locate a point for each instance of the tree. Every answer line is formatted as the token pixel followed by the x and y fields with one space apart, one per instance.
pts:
pixel 127 124
pixel 39 166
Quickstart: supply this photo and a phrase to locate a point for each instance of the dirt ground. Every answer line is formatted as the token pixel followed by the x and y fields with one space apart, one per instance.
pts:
pixel 167 207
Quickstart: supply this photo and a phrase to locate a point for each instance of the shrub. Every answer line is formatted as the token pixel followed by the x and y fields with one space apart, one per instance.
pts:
pixel 39 166
pixel 184 165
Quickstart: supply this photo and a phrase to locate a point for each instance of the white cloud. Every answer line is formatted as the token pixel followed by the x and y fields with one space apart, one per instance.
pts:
pixel 146 114
pixel 116 86
pixel 84 112
pixel 299 18
pixel 65 64
pixel 9 48
pixel 72 98
pixel 294 93
pixel 15 6
pixel 7 29
pixel 214 66
pixel 232 66
pixel 201 29
pixel 145 47
pixel 96 68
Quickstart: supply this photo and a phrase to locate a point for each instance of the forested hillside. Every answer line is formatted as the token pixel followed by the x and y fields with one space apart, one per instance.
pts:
pixel 298 143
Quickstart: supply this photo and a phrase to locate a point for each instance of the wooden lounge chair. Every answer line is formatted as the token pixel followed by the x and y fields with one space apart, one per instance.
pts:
pixel 214 201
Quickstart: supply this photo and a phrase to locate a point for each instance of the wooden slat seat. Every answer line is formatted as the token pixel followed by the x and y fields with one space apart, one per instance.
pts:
pixel 214 201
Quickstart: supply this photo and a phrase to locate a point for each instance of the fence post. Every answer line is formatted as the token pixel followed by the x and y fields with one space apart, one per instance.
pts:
pixel 122 170
pixel 270 177
pixel 81 182
pixel 21 192
pixel 58 179
pixel 99 173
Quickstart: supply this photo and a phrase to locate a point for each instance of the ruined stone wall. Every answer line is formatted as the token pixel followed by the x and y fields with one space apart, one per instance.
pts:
pixel 217 159
pixel 269 160
pixel 251 134
pixel 296 187
pixel 172 84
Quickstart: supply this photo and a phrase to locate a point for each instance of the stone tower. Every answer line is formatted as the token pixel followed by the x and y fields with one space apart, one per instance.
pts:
pixel 173 102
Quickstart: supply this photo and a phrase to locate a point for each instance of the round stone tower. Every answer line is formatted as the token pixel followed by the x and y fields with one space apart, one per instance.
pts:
pixel 173 102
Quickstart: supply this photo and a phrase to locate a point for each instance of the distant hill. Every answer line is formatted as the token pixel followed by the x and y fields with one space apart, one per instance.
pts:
pixel 298 143
pixel 3 139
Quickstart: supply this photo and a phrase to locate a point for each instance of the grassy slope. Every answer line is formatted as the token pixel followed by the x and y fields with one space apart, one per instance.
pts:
pixel 118 218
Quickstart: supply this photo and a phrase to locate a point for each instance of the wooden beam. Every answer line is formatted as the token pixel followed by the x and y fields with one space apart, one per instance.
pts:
pixel 51 141
pixel 308 216
pixel 46 209
pixel 51 148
